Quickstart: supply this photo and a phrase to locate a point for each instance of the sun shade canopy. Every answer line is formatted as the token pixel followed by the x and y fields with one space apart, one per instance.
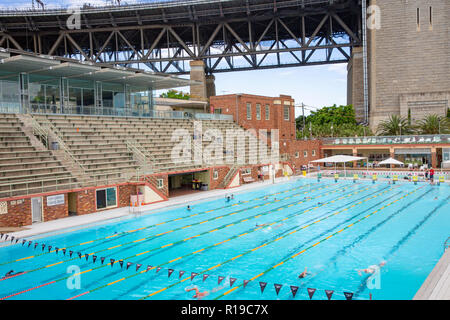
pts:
pixel 391 161
pixel 339 159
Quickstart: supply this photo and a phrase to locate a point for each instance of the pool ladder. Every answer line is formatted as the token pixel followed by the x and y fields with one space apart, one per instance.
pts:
pixel 447 244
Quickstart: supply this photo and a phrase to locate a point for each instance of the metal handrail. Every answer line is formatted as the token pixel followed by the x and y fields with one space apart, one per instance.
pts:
pixel 145 160
pixel 404 139
pixel 56 134
pixel 33 190
pixel 229 175
pixel 39 131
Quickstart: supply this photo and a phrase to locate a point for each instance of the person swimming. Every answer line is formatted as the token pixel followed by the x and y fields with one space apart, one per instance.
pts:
pixel 11 273
pixel 372 269
pixel 303 274
pixel 228 198
pixel 199 295
pixel 189 208
pixel 232 196
pixel 260 225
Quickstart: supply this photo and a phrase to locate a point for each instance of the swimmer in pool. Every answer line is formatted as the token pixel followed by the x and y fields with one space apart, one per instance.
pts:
pixel 260 225
pixel 9 273
pixel 189 208
pixel 303 274
pixel 199 295
pixel 372 269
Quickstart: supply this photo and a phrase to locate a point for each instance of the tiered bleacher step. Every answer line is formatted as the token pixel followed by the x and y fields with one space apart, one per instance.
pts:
pixel 100 143
pixel 24 169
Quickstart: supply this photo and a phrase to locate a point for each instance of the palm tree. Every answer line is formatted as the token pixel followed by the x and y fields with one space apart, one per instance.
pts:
pixel 433 124
pixel 393 126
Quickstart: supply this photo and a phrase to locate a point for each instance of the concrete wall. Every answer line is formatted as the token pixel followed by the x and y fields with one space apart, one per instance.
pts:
pixel 407 60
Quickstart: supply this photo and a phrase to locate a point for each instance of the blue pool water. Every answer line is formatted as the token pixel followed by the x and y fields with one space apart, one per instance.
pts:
pixel 267 236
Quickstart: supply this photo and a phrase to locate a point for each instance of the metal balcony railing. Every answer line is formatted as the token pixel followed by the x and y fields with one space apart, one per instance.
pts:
pixel 409 139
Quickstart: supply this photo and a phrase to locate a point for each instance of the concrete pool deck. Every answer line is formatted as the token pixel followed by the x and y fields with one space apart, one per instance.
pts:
pixel 78 222
pixel 437 284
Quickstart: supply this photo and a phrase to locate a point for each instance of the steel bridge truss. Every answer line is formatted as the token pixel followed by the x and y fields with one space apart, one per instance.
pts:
pixel 256 41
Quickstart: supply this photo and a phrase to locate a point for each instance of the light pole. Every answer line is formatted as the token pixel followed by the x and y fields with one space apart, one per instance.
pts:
pixel 310 131
pixel 440 124
pixel 400 126
pixel 332 130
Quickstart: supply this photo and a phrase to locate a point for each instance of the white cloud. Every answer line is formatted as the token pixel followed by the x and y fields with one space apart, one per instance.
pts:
pixel 340 68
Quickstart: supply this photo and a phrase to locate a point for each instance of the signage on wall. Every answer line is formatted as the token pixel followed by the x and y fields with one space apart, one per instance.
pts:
pixel 55 200
pixel 3 207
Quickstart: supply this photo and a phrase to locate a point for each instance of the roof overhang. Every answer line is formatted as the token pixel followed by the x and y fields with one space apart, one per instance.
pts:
pixel 180 103
pixel 58 67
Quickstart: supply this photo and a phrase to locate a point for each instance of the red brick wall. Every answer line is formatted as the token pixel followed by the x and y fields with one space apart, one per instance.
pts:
pixel 86 202
pixel 214 184
pixel 124 194
pixel 18 215
pixel 55 212
pixel 236 105
pixel 19 212
pixel 165 189
pixel 300 146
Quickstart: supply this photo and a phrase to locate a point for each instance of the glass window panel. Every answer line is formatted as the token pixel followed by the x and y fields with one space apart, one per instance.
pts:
pixel 52 98
pixel 88 101
pixel 75 101
pixel 111 197
pixel 9 95
pixel 107 97
pixel 101 199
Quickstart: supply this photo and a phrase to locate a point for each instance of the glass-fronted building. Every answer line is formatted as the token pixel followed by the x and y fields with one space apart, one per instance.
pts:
pixel 43 84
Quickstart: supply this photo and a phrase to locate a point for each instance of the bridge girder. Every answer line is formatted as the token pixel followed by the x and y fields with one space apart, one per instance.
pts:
pixel 292 33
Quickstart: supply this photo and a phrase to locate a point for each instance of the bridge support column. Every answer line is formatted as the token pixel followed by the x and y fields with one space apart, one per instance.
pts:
pixel 210 86
pixel 355 85
pixel 198 91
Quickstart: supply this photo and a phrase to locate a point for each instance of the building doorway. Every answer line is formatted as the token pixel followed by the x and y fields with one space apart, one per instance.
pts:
pixel 72 203
pixel 187 183
pixel 36 209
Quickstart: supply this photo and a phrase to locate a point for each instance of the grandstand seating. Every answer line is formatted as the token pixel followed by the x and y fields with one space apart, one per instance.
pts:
pixel 23 168
pixel 100 145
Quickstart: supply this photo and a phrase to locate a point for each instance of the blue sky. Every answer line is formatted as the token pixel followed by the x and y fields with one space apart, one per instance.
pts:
pixel 315 86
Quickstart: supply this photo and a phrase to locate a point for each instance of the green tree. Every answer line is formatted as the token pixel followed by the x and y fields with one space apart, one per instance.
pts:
pixel 394 125
pixel 333 115
pixel 334 121
pixel 433 124
pixel 174 94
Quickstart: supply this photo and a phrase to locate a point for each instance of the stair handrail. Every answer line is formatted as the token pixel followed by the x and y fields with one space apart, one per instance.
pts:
pixel 145 160
pixel 50 128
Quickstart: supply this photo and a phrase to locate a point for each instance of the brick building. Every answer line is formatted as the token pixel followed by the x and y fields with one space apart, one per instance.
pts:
pixel 269 113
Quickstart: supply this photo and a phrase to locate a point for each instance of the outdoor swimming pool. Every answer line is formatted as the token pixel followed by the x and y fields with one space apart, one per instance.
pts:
pixel 331 228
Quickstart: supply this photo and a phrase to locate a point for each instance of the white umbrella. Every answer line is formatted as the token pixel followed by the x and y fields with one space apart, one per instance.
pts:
pixel 391 161
pixel 339 159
